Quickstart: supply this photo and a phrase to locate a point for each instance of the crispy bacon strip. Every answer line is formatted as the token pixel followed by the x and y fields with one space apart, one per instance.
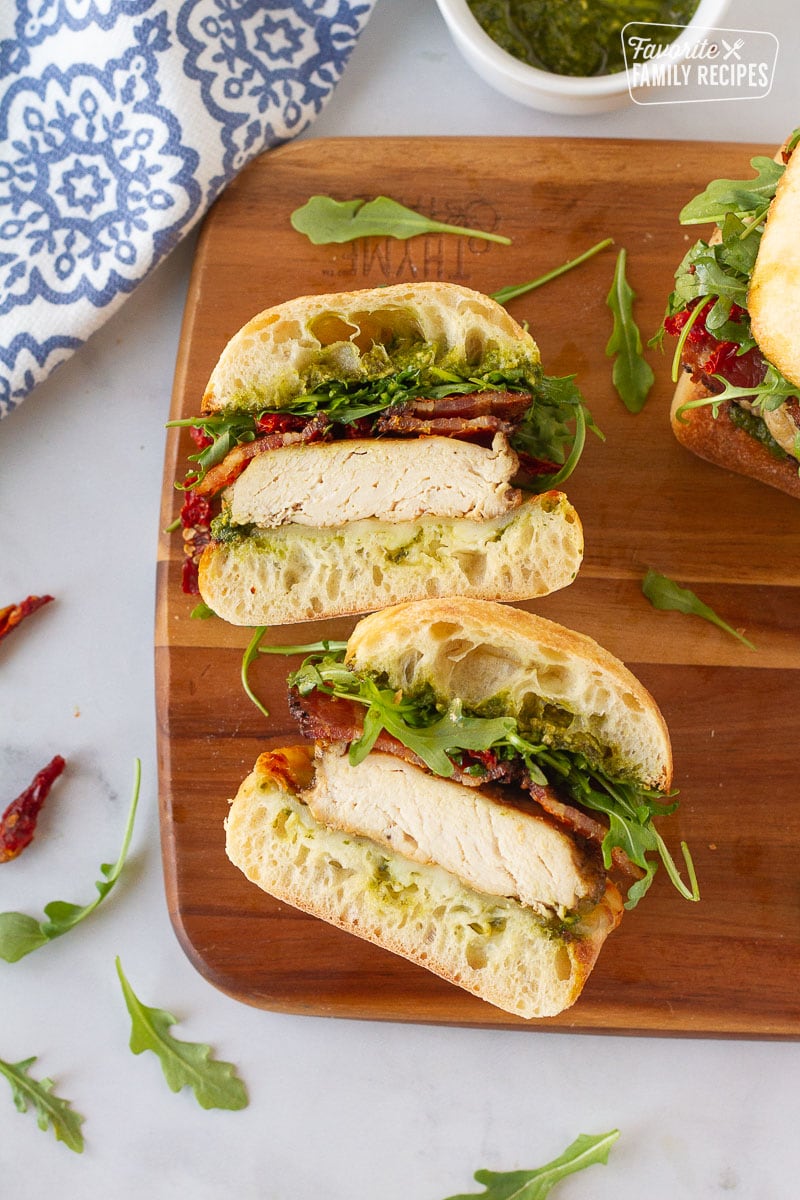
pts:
pixel 13 614
pixel 464 416
pixel 510 406
pixel 18 822
pixel 458 427
pixel 333 719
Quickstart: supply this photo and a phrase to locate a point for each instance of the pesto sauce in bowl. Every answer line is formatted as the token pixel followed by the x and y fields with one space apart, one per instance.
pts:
pixel 575 37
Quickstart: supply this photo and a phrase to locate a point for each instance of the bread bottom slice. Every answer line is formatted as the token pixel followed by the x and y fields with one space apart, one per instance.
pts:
pixel 491 946
pixel 293 573
pixel 719 441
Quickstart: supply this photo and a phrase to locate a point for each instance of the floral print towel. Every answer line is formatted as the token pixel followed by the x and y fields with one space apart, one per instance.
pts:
pixel 120 122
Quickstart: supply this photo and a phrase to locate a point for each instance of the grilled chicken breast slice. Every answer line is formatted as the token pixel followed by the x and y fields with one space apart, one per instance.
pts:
pixel 490 842
pixel 334 483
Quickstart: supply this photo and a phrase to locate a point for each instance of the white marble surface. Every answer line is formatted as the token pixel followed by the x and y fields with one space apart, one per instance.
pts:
pixel 338 1109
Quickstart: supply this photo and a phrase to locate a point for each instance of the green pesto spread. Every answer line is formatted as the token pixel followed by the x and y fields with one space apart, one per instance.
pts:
pixel 343 363
pixel 751 423
pixel 575 37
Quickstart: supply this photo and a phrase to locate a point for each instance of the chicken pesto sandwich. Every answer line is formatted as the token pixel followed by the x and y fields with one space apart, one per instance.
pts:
pixel 735 312
pixel 362 448
pixel 478 798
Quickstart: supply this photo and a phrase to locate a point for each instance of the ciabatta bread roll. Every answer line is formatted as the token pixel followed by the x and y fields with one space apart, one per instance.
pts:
pixel 478 799
pixel 492 946
pixel 735 404
pixel 362 448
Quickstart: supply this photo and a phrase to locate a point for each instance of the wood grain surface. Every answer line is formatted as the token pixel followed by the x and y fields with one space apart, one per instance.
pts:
pixel 729 965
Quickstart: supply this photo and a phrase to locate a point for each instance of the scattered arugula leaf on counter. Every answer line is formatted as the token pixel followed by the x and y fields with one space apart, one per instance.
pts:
pixel 510 293
pixel 586 1150
pixel 185 1064
pixel 665 594
pixel 201 612
pixel 50 1109
pixel 20 934
pixel 631 374
pixel 324 220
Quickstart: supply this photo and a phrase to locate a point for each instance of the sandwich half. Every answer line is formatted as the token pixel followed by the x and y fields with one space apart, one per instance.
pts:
pixel 735 312
pixel 478 798
pixel 362 448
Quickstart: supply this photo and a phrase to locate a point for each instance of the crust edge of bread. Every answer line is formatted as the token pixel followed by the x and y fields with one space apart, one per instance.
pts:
pixel 717 440
pixel 531 551
pixel 452 307
pixel 380 637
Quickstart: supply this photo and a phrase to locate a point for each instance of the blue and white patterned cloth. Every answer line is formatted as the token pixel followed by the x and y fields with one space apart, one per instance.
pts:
pixel 120 122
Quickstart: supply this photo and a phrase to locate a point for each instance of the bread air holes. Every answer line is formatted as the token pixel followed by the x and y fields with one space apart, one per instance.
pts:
pixel 475 953
pixel 278 331
pixel 563 964
pixel 473 673
pixel 408 666
pixel 367 329
pixel 554 679
pixel 477 346
pixel 631 702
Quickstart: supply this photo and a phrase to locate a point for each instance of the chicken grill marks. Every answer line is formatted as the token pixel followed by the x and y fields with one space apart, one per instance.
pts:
pixel 329 719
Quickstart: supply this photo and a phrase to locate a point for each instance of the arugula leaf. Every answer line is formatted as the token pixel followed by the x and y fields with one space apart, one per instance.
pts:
pixel 226 430
pixel 185 1064
pixel 255 648
pixel 504 295
pixel 723 196
pixel 544 432
pixel 631 374
pixel 431 742
pixel 201 612
pixel 438 737
pixel 586 1150
pixel 720 270
pixel 20 934
pixel 663 593
pixel 51 1110
pixel 324 220
pixel 766 396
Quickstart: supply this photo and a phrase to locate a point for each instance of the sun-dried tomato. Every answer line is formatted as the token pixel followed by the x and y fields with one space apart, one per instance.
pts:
pixel 275 422
pixel 196 513
pixel 195 510
pixel 18 822
pixel 190 582
pixel 200 438
pixel 12 614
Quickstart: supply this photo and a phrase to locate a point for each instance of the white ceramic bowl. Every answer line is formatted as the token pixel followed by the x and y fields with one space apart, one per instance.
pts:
pixel 545 90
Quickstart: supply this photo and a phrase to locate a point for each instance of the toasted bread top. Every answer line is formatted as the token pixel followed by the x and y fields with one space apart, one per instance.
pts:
pixel 358 335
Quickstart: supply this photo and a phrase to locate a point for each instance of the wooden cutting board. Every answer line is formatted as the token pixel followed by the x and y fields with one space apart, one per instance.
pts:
pixel 728 965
